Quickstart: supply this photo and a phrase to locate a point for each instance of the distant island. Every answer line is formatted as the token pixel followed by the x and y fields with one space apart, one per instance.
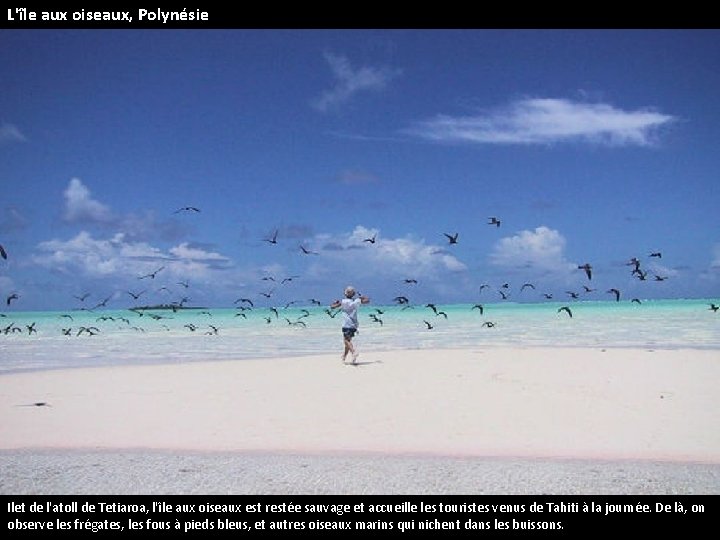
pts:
pixel 173 307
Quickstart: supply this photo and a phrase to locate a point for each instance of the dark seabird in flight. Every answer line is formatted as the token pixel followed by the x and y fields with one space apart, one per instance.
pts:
pixel 135 295
pixel 656 254
pixel 82 297
pixel 588 289
pixel 480 307
pixel 636 300
pixel 272 239
pixel 13 296
pixel 401 299
pixel 452 239
pixel 504 295
pixel 573 295
pixel 3 253
pixel 371 239
pixel 488 324
pixel 548 296
pixel 713 307
pixel 152 274
pixel 429 326
pixel 527 285
pixel 410 280
pixel 616 292
pixel 306 251
pixel 494 221
pixel 566 309
pixel 187 209
pixel 587 268
pixel 660 278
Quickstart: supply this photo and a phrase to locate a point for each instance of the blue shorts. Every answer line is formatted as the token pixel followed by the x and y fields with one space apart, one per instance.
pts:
pixel 348 333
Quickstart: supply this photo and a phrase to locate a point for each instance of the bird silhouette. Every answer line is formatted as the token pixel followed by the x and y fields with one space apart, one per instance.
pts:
pixel 587 268
pixel 479 307
pixel 187 209
pixel 588 289
pixel 152 274
pixel 3 253
pixel 410 281
pixel 573 295
pixel 636 300
pixel 372 239
pixel 135 295
pixel 82 297
pixel 401 299
pixel 527 285
pixel 306 251
pixel 488 324
pixel 272 239
pixel 452 239
pixel 494 221
pixel 566 309
pixel 504 295
pixel 13 296
pixel 429 326
pixel 656 254
pixel 713 307
pixel 616 292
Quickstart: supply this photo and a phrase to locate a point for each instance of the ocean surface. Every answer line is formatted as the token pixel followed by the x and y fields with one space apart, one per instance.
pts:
pixel 53 340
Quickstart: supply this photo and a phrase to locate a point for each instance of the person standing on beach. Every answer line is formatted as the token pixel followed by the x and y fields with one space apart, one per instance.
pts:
pixel 349 306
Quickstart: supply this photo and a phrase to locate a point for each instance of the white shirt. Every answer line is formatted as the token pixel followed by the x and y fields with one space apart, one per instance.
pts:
pixel 350 309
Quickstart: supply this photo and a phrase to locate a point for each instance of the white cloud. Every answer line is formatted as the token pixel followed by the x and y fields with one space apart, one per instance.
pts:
pixel 349 81
pixel 395 257
pixel 117 257
pixel 10 133
pixel 541 249
pixel 539 121
pixel 81 207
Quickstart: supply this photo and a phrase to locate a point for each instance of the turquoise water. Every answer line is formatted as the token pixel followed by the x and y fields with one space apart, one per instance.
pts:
pixel 126 337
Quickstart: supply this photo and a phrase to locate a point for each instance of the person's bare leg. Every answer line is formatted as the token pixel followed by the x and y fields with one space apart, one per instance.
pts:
pixel 349 348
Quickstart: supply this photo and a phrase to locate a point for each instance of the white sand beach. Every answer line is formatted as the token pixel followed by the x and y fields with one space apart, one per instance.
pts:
pixel 562 413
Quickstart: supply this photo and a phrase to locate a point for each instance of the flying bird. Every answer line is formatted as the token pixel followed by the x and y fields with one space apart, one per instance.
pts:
pixel 656 254
pixel 410 280
pixel 429 326
pixel 135 295
pixel 82 297
pixel 401 299
pixel 527 285
pixel 480 307
pixel 504 295
pixel 574 295
pixel 272 239
pixel 714 308
pixel 494 221
pixel 152 274
pixel 13 296
pixel 452 239
pixel 587 268
pixel 187 209
pixel 371 239
pixel 636 300
pixel 488 324
pixel 566 309
pixel 588 289
pixel 306 251
pixel 616 292
pixel 3 253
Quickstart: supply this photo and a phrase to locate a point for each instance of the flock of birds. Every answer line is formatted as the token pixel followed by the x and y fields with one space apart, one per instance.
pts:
pixel 244 304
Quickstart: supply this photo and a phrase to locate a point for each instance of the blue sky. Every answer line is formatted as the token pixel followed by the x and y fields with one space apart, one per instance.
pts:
pixel 590 146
